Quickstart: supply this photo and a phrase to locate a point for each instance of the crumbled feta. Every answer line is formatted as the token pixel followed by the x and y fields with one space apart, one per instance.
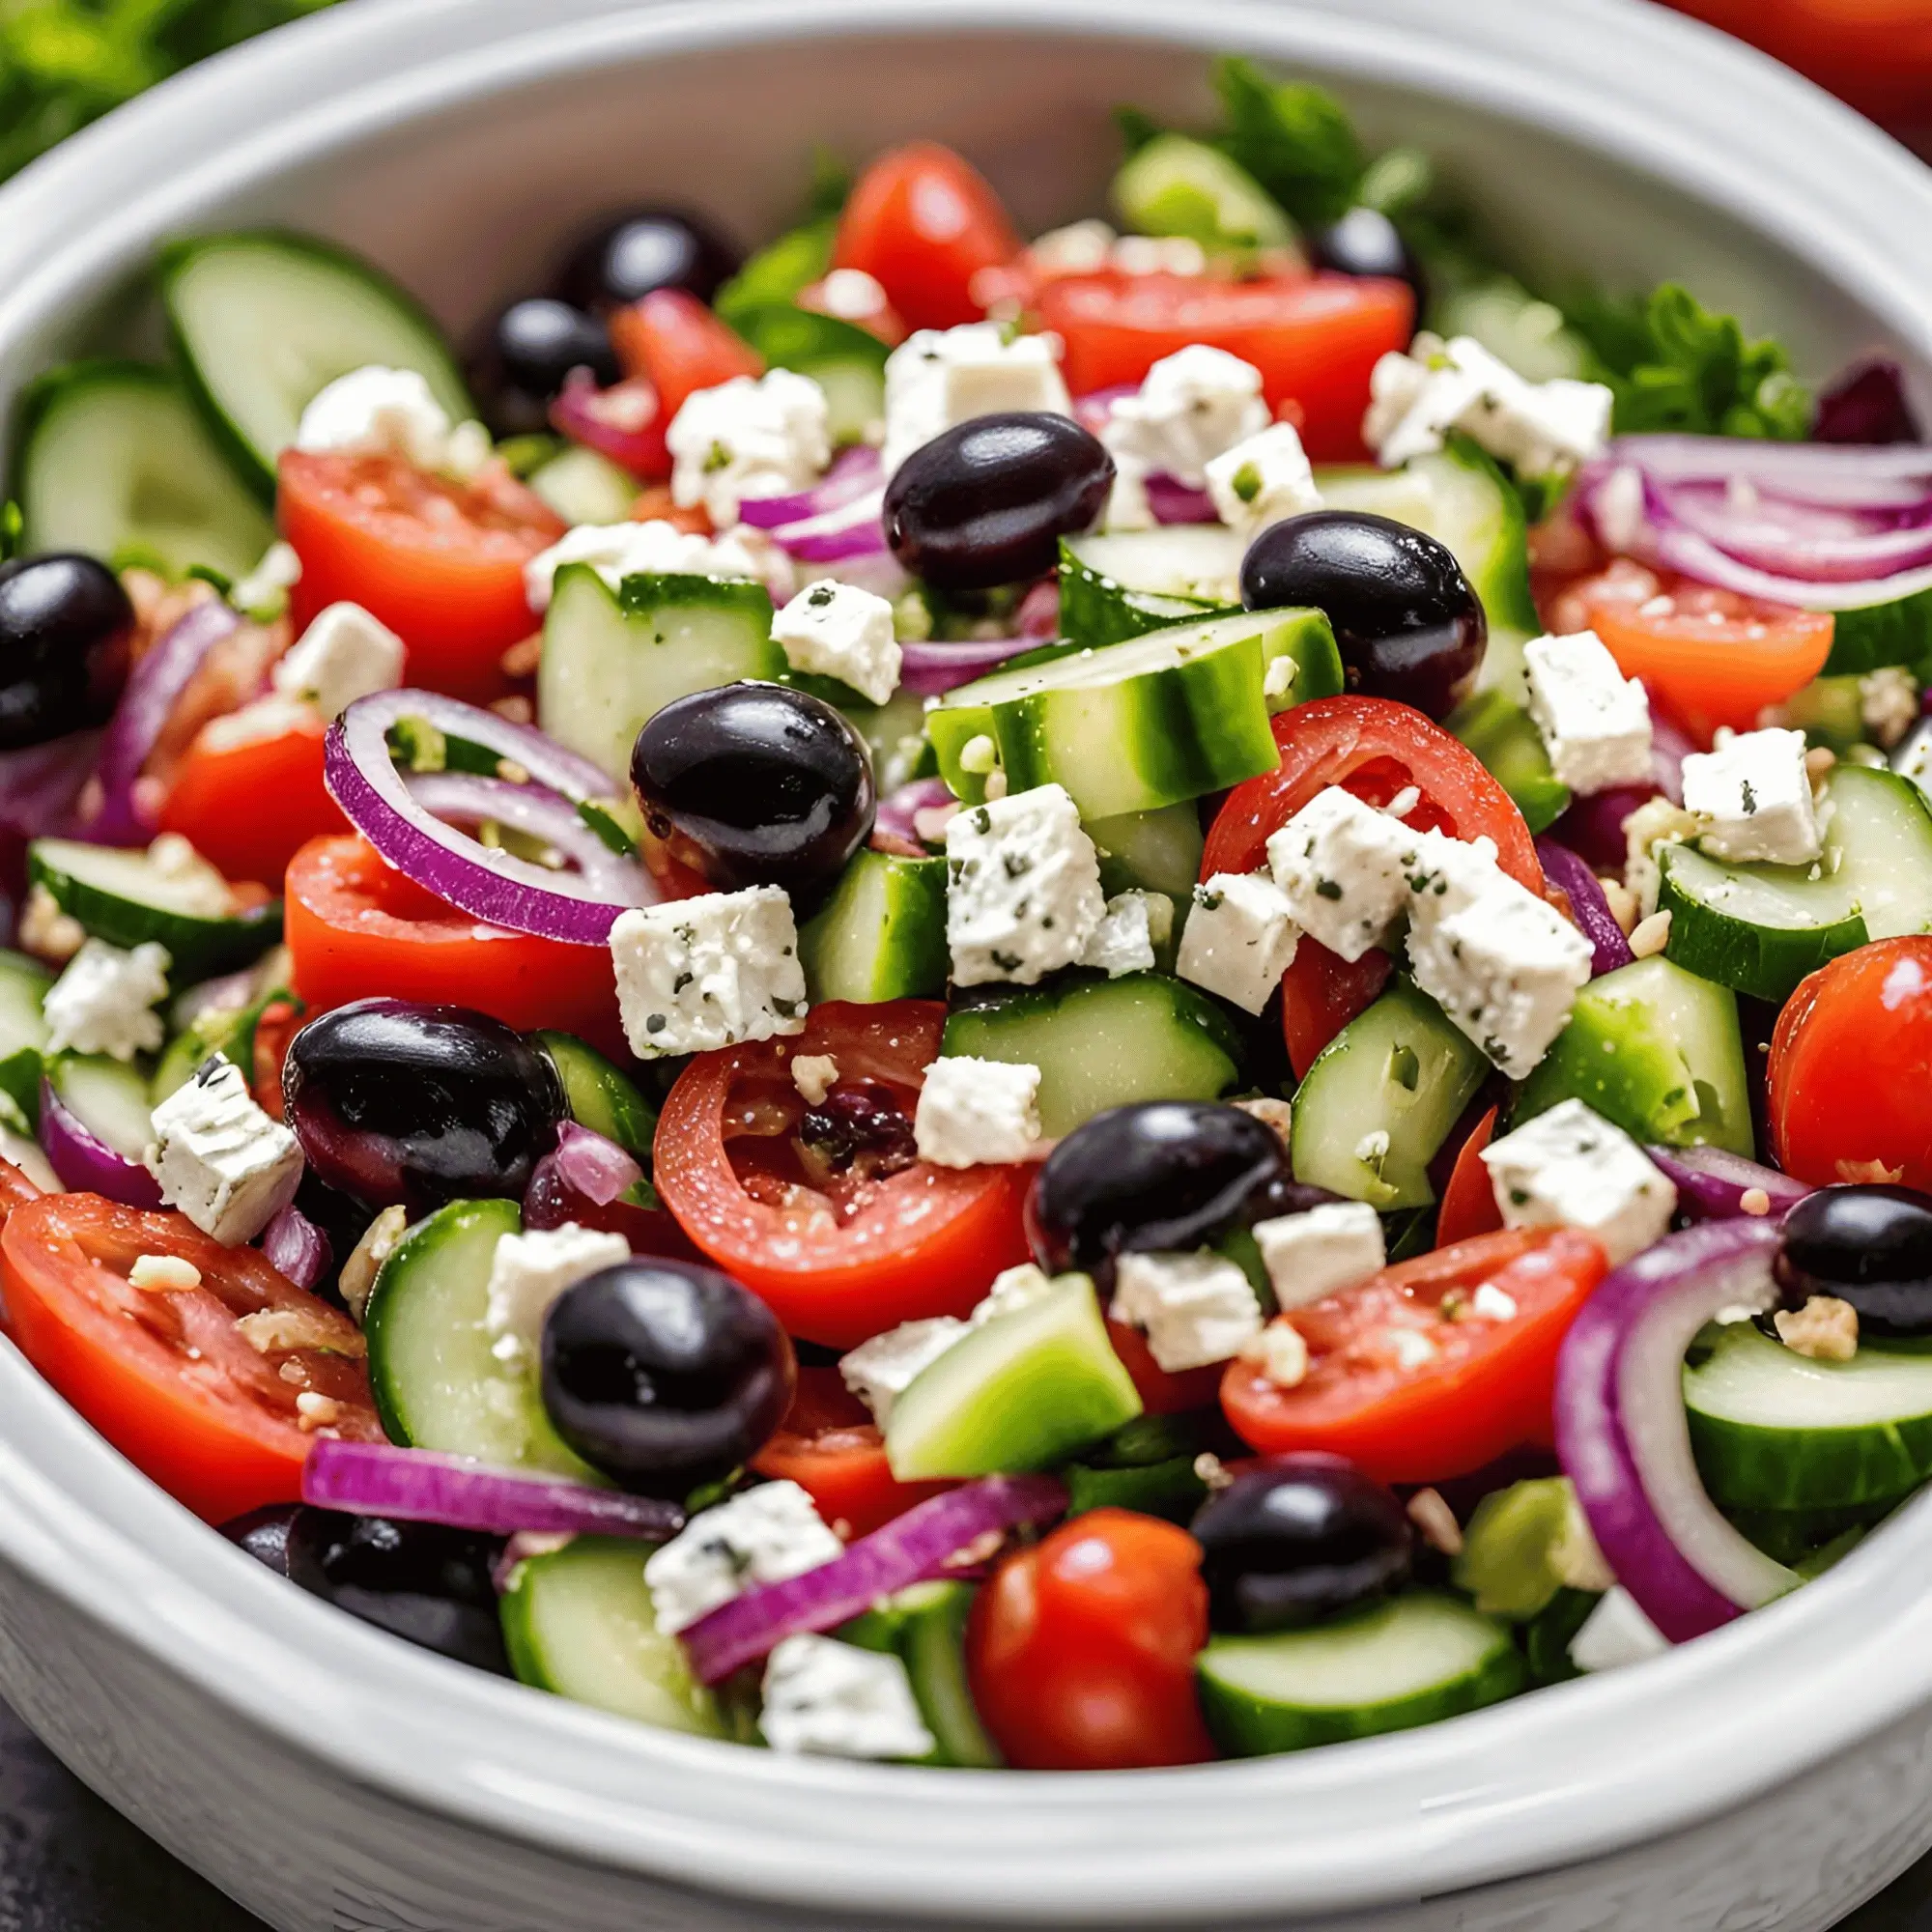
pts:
pixel 1347 870
pixel 393 412
pixel 1277 1116
pixel 1408 1348
pixel 357 1277
pixel 1013 1289
pixel 1191 406
pixel 1262 480
pixel 851 295
pixel 1125 941
pixel 839 630
pixel 814 1075
pixel 940 377
pixel 880 1370
pixel 977 1112
pixel 1595 721
pixel 1196 1308
pixel 1280 1351
pixel 1616 1632
pixel 753 436
pixel 264 593
pixel 1239 938
pixel 1023 893
pixel 345 654
pixel 1649 828
pixel 219 1159
pixel 528 1272
pixel 1080 248
pixel 657 547
pixel 763 1535
pixel 1319 1252
pixel 1887 704
pixel 1752 799
pixel 1572 1168
pixel 104 1000
pixel 46 930
pixel 833 1699
pixel 1826 1329
pixel 707 972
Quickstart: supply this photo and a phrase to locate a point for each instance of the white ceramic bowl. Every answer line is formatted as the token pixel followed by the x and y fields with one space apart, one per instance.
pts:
pixel 330 1778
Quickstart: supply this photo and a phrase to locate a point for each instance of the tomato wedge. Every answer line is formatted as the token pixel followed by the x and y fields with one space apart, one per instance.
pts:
pixel 829 1446
pixel 210 1410
pixel 248 805
pixel 1163 1391
pixel 672 338
pixel 843 1240
pixel 1469 1201
pixel 1481 1387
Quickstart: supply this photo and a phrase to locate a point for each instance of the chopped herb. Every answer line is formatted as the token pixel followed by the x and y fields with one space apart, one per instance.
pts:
pixel 1247 482
pixel 606 828
pixel 1749 796
pixel 1327 888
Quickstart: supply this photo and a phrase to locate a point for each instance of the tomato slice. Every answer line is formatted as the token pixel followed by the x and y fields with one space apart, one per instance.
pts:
pixel 168 1376
pixel 672 338
pixel 1315 338
pixel 1469 1202
pixel 1484 1386
pixel 441 563
pixel 829 1446
pixel 249 805
pixel 846 1245
pixel 1163 1391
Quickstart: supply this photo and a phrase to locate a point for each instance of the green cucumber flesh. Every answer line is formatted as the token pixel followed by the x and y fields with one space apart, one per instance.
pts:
pixel 1149 851
pixel 925 1627
pixel 1829 711
pixel 882 933
pixel 846 361
pixel 23 1030
pixel 1179 185
pixel 600 1096
pixel 1199 563
pixel 109 1098
pixel 1521 1547
pixel 229 1031
pixel 1504 736
pixel 1172 1490
pixel 1895 631
pixel 583 486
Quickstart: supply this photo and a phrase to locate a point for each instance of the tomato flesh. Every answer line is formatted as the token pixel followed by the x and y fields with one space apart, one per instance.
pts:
pixel 249 806
pixel 674 340
pixel 1469 1201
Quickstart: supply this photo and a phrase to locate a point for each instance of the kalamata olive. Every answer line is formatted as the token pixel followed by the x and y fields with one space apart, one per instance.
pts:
pixel 1365 242
pixel 1870 1245
pixel 1409 625
pixel 859 1127
pixel 756 785
pixel 649 248
pixel 664 1375
pixel 534 345
pixel 989 502
pixel 1293 1538
pixel 393 1101
pixel 66 626
pixel 264 1533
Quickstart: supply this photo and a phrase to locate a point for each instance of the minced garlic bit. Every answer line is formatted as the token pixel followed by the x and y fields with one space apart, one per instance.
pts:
pixel 1211 1472
pixel 518 709
pixel 1825 1329
pixel 1436 1522
pixel 1754 1201
pixel 814 1075
pixel 1280 1354
pixel 522 657
pixel 1622 903
pixel 164 1275
pixel 1818 761
pixel 315 1410
pixel 1275 1114
pixel 366 1260
pixel 270 1329
pixel 48 932
pixel 1649 936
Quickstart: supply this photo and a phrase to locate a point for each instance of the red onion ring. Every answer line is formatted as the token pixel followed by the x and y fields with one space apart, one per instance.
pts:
pixel 1039 614
pixel 898 810
pixel 855 472
pixel 931 670
pixel 1856 477
pixel 1867 405
pixel 1712 1182
pixel 85 1163
pixel 622 422
pixel 295 1248
pixel 1594 917
pixel 853 529
pixel 1774 538
pixel 39 783
pixel 584 1161
pixel 1174 501
pixel 469 798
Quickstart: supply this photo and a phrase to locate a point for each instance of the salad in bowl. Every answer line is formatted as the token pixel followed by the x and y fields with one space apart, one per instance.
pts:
pixel 1077 1004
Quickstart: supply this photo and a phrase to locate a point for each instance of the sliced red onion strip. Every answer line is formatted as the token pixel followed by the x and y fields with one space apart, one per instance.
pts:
pixel 1623 1439
pixel 1174 501
pixel 39 783
pixel 1038 614
pixel 1712 1182
pixel 418 1485
pixel 1776 539
pixel 1684 551
pixel 596 1168
pixel 623 422
pixel 1812 473
pixel 296 1247
pixel 931 670
pixel 1598 922
pixel 898 810
pixel 853 529
pixel 909 1549
pixel 85 1163
pixel 469 798
pixel 855 472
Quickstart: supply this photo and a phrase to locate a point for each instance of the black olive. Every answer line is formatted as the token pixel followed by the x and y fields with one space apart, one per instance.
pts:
pixel 664 1375
pixel 756 785
pixel 393 1101
pixel 1293 1538
pixel 1409 625
pixel 532 347
pixel 66 626
pixel 989 502
pixel 1365 242
pixel 649 248
pixel 264 1533
pixel 1869 1245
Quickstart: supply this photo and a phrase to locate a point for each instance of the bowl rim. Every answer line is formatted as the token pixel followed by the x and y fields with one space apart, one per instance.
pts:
pixel 1571 1773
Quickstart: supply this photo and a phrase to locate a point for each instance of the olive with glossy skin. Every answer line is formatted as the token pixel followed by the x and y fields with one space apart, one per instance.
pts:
pixel 756 785
pixel 66 626
pixel 1870 1245
pixel 664 1375
pixel 1296 1539
pixel 647 249
pixel 987 503
pixel 532 347
pixel 1407 623
pixel 398 1102
pixel 1365 242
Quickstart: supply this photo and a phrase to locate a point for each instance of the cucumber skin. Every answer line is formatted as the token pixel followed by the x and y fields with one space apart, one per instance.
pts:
pixel 1763 962
pixel 909 953
pixel 1169 1490
pixel 1899 633
pixel 1503 736
pixel 600 1096
pixel 925 1627
pixel 1094 610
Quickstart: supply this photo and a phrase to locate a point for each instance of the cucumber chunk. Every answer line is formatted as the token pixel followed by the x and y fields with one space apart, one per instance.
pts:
pixel 1413 1661
pixel 925 1627
pixel 1523 1547
pixel 1102 1043
pixel 1022 1391
pixel 1503 735
pixel 1179 185
pixel 583 486
pixel 23 1031
pixel 114 461
pixel 1895 631
pixel 1381 1099
pixel 613 659
pixel 1151 851
pixel 1110 584
pixel 109 1098
pixel 598 1095
pixel 229 1031
pixel 882 933
pixel 265 322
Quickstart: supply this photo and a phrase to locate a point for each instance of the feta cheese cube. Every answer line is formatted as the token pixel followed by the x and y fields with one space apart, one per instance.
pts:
pixel 1125 941
pixel 529 1271
pixel 219 1159
pixel 1616 1632
pixel 1195 1308
pixel 1347 870
pixel 880 1370
pixel 977 1112
pixel 1595 721
pixel 1752 797
pixel 657 547
pixel 707 972
pixel 1013 1289
pixel 763 1535
pixel 839 630
pixel 1023 890
pixel 1191 406
pixel 753 436
pixel 345 654
pixel 1262 480
pixel 940 377
pixel 377 410
pixel 1571 1168
pixel 1321 1251
pixel 833 1699
pixel 1239 938
pixel 104 1000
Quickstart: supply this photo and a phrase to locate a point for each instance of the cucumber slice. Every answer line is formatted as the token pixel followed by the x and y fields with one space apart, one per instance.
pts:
pixel 1151 851
pixel 437 1385
pixel 114 461
pixel 882 933
pixel 584 488
pixel 1170 1489
pixel 1772 1430
pixel 23 1031
pixel 613 659
pixel 1381 1099
pixel 1762 928
pixel 579 1622
pixel 1179 185
pixel 1197 564
pixel 1655 1050
pixel 847 362
pixel 1101 1044
pixel 597 1096
pixel 925 1627
pixel 1504 736
pixel 109 1098
pixel 1413 1661
pixel 1022 1391
pixel 1829 711
pixel 1897 632
pixel 265 322
pixel 1522 1547
pixel 1160 719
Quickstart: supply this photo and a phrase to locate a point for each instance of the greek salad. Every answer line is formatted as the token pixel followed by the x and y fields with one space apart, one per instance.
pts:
pixel 1151 996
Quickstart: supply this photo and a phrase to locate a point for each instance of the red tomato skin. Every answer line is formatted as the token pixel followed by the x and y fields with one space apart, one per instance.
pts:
pixel 829 1446
pixel 249 808
pixel 1163 1391
pixel 674 339
pixel 1469 1202
pixel 1321 993
pixel 1080 1652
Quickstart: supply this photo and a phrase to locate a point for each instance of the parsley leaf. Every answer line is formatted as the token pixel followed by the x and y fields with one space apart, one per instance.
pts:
pixel 12 526
pixel 1295 139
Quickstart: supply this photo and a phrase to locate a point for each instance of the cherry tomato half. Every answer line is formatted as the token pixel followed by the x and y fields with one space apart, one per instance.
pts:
pixel 1469 1201
pixel 675 340
pixel 248 805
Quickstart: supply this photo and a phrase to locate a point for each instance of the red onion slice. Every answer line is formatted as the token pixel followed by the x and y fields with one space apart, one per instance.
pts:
pixel 85 1163
pixel 898 810
pixel 1174 501
pixel 622 422
pixel 855 472
pixel 1623 1439
pixel 1861 477
pixel 1867 405
pixel 1598 922
pixel 909 1549
pixel 1712 1182
pixel 469 798
pixel 1799 542
pixel 931 670
pixel 596 1168
pixel 853 529
pixel 295 1248
pixel 39 783
pixel 1039 614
